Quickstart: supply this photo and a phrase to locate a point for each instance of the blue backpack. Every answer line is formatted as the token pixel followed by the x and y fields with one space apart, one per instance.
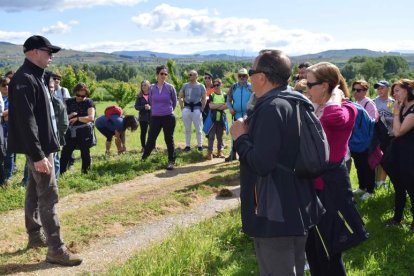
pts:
pixel 363 130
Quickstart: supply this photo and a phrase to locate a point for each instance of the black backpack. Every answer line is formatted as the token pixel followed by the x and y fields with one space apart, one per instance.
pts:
pixel 313 156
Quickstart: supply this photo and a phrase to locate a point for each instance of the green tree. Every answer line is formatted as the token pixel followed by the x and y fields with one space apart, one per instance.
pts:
pixel 348 71
pixel 178 83
pixel 372 68
pixel 122 92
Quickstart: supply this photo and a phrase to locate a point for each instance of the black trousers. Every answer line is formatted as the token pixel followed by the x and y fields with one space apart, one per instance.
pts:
pixel 319 264
pixel 144 130
pixel 402 185
pixel 366 176
pixel 67 151
pixel 167 124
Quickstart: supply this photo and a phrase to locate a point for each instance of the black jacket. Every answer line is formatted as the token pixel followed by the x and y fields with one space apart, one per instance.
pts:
pixel 30 124
pixel 144 115
pixel 274 202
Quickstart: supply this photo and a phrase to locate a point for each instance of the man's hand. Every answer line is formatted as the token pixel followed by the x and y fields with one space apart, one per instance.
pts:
pixel 238 128
pixel 43 166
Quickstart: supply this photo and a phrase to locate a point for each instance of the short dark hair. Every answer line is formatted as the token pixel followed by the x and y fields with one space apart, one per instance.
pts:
pixel 130 122
pixel 276 65
pixel 159 68
pixel 208 74
pixel 4 81
pixel 81 86
pixel 304 65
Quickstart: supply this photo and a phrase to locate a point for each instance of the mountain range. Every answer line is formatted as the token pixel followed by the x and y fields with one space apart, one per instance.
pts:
pixel 11 54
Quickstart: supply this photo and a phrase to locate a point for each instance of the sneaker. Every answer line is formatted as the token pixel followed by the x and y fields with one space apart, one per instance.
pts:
pixel 187 149
pixel 170 166
pixel 37 239
pixel 200 148
pixel 393 222
pixel 366 196
pixel 65 258
pixel 358 191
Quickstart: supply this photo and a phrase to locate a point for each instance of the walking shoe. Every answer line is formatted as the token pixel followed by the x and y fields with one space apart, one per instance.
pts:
pixel 65 258
pixel 209 155
pixel 220 154
pixel 37 239
pixel 200 148
pixel 366 196
pixel 393 222
pixel 170 166
pixel 358 191
pixel 187 149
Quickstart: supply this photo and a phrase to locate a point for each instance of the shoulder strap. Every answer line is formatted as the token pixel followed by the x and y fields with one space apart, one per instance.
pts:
pixel 365 105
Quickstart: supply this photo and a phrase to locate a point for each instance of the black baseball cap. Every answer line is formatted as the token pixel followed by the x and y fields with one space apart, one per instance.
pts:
pixel 37 42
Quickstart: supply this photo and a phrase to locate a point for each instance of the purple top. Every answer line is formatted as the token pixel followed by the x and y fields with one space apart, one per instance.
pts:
pixel 162 102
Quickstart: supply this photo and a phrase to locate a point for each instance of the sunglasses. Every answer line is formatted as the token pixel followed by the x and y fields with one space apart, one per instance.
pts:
pixel 47 51
pixel 312 84
pixel 217 85
pixel 253 71
pixel 163 74
pixel 80 96
pixel 357 90
pixel 242 76
pixel 207 78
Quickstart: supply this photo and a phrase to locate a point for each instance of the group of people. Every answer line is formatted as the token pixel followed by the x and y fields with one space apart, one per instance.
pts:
pixel 286 214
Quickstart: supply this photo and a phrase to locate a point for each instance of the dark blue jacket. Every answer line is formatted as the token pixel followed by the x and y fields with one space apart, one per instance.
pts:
pixel 140 102
pixel 274 202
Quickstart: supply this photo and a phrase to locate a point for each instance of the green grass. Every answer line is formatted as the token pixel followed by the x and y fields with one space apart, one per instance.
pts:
pixel 213 247
pixel 217 247
pixel 105 170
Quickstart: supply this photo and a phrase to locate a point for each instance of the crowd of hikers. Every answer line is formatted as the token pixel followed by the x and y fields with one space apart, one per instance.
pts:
pixel 286 212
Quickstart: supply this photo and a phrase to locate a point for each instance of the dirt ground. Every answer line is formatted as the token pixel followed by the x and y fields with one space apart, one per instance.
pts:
pixel 122 242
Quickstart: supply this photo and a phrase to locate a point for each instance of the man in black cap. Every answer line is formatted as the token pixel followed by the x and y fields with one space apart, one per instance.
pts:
pixel 33 131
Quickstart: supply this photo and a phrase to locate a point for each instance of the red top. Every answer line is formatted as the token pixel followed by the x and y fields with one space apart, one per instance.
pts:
pixel 337 122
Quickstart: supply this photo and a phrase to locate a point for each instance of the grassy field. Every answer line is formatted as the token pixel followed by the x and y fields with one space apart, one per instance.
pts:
pixel 108 170
pixel 217 247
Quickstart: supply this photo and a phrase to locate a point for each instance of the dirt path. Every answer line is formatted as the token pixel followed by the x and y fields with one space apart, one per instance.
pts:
pixel 118 249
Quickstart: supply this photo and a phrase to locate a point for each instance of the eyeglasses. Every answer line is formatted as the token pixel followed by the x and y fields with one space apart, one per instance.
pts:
pixel 357 90
pixel 163 74
pixel 242 76
pixel 47 51
pixel 253 71
pixel 80 96
pixel 207 78
pixel 312 84
pixel 217 85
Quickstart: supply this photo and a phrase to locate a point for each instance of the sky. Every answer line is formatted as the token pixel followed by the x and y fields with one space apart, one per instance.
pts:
pixel 187 27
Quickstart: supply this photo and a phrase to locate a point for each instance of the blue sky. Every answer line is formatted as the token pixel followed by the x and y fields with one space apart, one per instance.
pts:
pixel 297 27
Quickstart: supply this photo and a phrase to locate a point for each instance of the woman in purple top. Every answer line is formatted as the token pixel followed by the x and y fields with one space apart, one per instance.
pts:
pixel 163 99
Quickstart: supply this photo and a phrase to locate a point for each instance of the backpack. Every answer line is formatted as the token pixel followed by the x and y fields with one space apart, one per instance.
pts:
pixel 113 110
pixel 363 130
pixel 313 155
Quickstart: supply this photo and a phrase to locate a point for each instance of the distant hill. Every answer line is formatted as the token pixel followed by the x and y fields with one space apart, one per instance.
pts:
pixel 11 55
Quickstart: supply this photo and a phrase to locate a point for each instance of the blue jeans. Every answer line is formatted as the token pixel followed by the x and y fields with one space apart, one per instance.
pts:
pixel 9 164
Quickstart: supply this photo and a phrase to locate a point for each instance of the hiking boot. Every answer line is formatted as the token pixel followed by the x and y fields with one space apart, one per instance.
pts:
pixel 37 239
pixel 65 258
pixel 220 154
pixel 187 149
pixel 170 166
pixel 200 148
pixel 209 155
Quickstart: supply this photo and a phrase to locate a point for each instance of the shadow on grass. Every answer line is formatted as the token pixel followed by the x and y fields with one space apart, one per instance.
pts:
pixel 15 253
pixel 24 268
pixel 389 250
pixel 214 182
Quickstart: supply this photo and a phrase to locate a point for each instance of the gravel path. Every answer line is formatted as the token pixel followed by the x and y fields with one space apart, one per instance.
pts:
pixel 118 249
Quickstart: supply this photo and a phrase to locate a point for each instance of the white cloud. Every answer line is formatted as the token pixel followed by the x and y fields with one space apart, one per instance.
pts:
pixel 59 28
pixel 240 33
pixel 14 37
pixel 19 5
